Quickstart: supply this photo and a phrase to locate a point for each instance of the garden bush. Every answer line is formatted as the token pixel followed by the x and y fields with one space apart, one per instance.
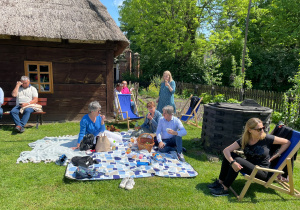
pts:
pixel 233 101
pixel 276 117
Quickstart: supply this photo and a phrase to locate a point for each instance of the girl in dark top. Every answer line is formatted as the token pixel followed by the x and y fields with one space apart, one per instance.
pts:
pixel 256 145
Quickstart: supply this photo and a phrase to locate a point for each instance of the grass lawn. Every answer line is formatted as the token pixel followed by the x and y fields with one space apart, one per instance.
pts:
pixel 42 186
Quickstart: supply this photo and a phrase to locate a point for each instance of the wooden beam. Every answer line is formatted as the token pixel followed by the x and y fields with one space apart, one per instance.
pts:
pixel 109 81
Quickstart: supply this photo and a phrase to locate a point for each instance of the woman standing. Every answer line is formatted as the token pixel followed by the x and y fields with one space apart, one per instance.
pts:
pixel 166 92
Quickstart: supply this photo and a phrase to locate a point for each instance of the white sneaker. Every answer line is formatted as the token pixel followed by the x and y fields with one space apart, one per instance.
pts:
pixel 124 182
pixel 130 184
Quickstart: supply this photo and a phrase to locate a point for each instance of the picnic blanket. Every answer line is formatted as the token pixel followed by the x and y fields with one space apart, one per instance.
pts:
pixel 117 164
pixel 49 149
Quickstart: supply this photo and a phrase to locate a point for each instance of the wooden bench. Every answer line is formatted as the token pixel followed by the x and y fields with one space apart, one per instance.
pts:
pixel 11 102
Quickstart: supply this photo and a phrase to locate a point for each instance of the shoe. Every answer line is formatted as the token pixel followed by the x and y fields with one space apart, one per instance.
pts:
pixel 124 182
pixel 130 184
pixel 22 130
pixel 214 185
pixel 219 191
pixel 62 160
pixel 181 157
pixel 18 128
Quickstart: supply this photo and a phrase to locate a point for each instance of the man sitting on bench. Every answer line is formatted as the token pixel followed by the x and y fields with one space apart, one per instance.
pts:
pixel 25 95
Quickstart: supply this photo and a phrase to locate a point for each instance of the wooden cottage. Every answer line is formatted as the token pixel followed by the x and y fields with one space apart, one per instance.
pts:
pixel 66 47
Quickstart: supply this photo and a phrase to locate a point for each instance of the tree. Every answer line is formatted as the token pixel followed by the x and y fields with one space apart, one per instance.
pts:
pixel 164 32
pixel 211 75
pixel 273 43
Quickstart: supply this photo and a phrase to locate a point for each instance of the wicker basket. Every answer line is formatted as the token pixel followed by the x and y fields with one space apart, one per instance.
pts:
pixel 145 141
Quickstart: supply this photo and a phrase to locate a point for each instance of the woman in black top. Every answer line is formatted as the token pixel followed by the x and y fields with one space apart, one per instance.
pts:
pixel 256 145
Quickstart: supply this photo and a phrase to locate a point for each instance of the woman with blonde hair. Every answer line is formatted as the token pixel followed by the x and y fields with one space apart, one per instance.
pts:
pixel 256 145
pixel 166 92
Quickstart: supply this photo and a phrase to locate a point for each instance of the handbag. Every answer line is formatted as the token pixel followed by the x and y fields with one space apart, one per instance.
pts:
pixel 103 144
pixel 87 142
pixel 84 161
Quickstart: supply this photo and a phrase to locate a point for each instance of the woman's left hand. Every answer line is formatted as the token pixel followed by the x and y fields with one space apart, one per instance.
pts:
pixel 73 148
pixel 236 166
pixel 274 157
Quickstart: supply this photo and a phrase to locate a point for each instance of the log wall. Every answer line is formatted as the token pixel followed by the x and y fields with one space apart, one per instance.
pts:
pixel 81 73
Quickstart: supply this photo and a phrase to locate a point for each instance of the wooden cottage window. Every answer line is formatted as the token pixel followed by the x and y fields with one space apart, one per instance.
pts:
pixel 40 75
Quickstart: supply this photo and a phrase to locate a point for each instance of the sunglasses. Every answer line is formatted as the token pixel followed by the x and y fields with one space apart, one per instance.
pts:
pixel 259 129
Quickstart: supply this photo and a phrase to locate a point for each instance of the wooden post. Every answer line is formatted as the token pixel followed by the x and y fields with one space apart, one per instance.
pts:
pixel 109 82
pixel 212 91
pixel 196 89
pixel 241 98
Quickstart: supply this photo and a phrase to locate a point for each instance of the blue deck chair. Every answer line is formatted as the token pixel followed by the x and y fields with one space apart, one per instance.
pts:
pixel 191 112
pixel 284 160
pixel 124 109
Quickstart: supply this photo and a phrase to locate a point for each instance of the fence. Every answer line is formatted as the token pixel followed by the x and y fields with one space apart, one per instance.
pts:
pixel 273 100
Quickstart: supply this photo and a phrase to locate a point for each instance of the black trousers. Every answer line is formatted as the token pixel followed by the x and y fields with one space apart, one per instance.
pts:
pixel 228 175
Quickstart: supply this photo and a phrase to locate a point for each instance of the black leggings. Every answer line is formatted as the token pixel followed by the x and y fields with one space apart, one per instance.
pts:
pixel 228 175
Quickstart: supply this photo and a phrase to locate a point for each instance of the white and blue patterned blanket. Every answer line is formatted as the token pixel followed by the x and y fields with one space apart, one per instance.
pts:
pixel 117 164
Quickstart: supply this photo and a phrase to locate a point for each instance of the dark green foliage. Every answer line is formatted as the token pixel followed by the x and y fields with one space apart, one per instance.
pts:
pixel 276 117
pixel 173 35
pixel 271 68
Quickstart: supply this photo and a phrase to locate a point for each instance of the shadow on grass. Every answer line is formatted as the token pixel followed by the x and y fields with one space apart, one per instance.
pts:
pixel 69 181
pixel 12 129
pixel 7 128
pixel 250 194
pixel 254 189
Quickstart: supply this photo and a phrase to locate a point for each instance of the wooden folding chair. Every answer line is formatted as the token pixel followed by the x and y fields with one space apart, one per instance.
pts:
pixel 284 160
pixel 191 113
pixel 124 111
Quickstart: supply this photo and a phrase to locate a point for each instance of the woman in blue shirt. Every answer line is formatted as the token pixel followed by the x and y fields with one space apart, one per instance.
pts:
pixel 92 123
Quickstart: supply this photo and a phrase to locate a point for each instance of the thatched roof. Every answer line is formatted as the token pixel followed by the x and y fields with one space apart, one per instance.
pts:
pixel 76 20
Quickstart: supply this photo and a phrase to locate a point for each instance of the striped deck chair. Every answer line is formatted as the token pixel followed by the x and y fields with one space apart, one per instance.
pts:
pixel 284 160
pixel 191 112
pixel 124 109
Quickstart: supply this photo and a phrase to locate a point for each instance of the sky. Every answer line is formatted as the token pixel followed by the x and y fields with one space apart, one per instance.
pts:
pixel 112 8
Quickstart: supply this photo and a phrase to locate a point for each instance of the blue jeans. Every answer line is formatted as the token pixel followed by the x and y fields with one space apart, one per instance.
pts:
pixel 15 115
pixel 1 113
pixel 172 144
pixel 133 108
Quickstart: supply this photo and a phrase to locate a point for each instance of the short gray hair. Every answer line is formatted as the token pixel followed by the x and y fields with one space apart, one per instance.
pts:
pixel 169 109
pixel 24 78
pixel 94 106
